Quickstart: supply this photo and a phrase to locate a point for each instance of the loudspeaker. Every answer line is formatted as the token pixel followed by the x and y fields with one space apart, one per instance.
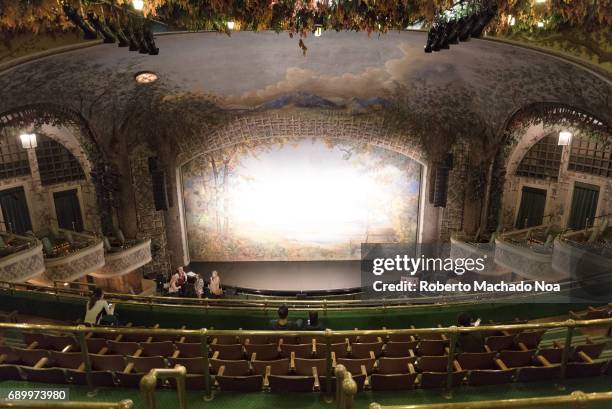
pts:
pixel 440 182
pixel 440 186
pixel 153 164
pixel 160 196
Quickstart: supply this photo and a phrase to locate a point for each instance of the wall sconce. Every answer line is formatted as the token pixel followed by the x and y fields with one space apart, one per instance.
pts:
pixel 28 140
pixel 565 138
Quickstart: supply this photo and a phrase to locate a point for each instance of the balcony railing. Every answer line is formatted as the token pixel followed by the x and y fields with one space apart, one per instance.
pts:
pixel 21 259
pixel 80 254
pixel 122 260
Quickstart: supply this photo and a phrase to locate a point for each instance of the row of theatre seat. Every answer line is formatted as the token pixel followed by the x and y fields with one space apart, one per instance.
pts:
pixel 298 364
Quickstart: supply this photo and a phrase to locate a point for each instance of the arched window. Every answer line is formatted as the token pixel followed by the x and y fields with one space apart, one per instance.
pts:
pixel 55 163
pixel 590 156
pixel 13 158
pixel 542 160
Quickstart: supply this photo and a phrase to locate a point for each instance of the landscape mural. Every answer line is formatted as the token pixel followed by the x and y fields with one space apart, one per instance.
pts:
pixel 298 199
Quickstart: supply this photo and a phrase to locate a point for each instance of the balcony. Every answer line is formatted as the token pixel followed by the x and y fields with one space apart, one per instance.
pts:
pixel 528 253
pixel 585 253
pixel 124 258
pixel 467 248
pixel 70 255
pixel 21 258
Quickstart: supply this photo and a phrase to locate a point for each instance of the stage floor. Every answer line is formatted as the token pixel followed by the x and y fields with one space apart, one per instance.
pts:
pixel 285 276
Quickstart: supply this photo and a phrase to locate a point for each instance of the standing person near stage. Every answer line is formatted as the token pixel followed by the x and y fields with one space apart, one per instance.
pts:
pixel 215 285
pixel 177 281
pixel 199 285
pixel 189 287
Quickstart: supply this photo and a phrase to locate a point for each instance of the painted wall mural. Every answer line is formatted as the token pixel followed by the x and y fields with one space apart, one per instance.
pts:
pixel 298 199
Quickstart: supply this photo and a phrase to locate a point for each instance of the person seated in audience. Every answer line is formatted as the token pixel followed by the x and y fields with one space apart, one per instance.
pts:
pixel 98 310
pixel 468 341
pixel 190 286
pixel 313 323
pixel 283 322
pixel 215 285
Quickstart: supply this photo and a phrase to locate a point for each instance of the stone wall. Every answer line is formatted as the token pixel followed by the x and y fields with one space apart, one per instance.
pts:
pixel 150 222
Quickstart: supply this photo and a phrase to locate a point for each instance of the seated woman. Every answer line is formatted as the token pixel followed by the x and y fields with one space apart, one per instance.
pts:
pixel 215 285
pixel 98 310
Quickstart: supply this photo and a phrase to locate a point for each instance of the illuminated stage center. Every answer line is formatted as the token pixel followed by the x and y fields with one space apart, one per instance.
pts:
pixel 308 203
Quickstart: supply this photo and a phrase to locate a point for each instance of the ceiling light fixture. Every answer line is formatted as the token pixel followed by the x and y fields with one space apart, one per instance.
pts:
pixel 565 138
pixel 28 140
pixel 146 77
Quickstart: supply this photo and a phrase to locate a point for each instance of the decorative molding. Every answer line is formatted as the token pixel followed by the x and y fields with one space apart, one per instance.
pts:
pixel 125 261
pixel 77 264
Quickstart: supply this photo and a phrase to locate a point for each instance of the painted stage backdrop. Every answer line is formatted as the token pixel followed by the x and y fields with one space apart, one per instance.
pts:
pixel 298 199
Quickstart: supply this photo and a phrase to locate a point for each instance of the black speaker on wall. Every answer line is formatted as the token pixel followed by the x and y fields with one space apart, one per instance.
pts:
pixel 440 182
pixel 160 196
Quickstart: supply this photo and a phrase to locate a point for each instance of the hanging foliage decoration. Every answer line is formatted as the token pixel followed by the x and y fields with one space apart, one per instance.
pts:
pixel 298 17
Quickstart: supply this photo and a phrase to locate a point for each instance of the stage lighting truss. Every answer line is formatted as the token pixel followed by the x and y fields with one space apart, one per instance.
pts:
pixel 464 20
pixel 123 25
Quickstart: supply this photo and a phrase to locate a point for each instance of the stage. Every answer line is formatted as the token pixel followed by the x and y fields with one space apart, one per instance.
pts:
pixel 285 277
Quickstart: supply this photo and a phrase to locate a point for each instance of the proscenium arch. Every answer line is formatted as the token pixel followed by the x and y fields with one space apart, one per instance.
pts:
pixel 59 116
pixel 263 126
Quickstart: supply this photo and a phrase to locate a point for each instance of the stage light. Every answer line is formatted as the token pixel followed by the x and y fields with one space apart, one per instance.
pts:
pixel 101 28
pixel 146 77
pixel 231 25
pixel 149 40
pixel 88 31
pixel 565 138
pixel 318 30
pixel 28 140
pixel 138 4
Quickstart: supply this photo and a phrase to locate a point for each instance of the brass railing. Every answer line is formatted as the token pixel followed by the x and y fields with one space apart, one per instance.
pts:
pixel 205 335
pixel 578 400
pixel 242 304
pixel 149 382
pixel 39 404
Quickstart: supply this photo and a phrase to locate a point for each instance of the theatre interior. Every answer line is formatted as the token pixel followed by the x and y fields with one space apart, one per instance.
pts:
pixel 193 193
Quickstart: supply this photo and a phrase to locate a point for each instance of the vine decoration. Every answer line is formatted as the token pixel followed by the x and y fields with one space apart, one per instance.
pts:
pixel 297 17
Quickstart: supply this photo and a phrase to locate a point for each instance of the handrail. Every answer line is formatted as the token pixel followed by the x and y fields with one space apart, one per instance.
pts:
pixel 149 382
pixel 452 332
pixel 36 404
pixel 579 398
pixel 249 304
